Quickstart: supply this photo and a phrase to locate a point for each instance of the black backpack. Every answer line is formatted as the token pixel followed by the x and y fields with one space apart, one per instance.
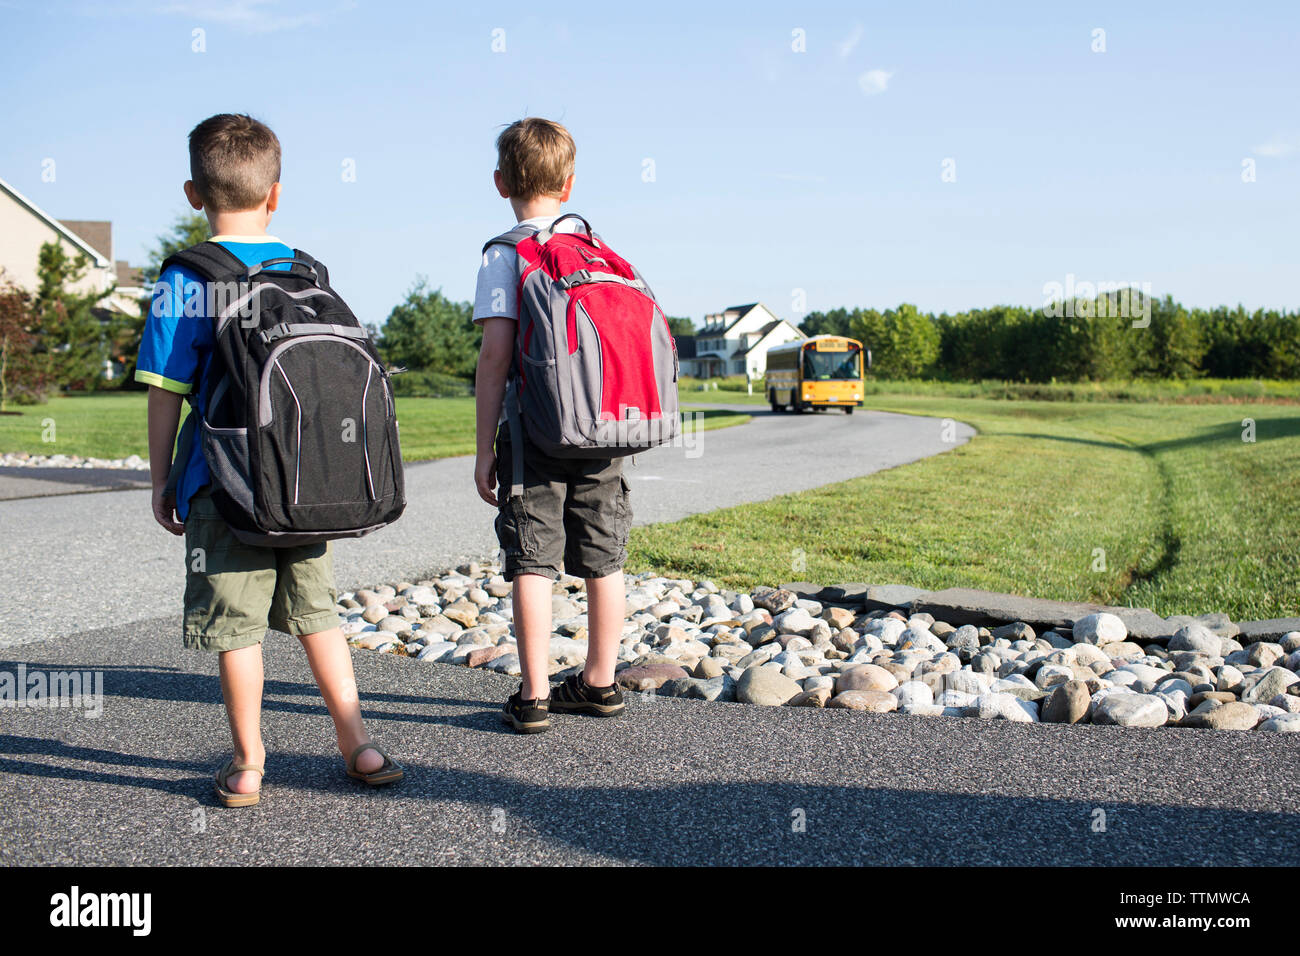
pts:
pixel 300 428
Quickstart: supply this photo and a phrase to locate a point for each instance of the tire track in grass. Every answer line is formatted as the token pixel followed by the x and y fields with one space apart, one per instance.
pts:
pixel 1168 543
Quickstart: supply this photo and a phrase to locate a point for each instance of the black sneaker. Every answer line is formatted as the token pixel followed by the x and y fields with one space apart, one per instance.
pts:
pixel 575 696
pixel 526 716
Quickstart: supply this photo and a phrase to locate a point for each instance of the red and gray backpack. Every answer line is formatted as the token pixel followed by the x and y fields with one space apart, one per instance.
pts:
pixel 595 366
pixel 299 429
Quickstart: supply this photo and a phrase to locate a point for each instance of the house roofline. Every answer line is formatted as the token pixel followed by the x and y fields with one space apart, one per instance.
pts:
pixel 774 326
pixel 741 311
pixel 98 258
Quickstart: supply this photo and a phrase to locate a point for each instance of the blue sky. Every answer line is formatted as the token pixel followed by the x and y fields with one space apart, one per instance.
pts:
pixel 774 170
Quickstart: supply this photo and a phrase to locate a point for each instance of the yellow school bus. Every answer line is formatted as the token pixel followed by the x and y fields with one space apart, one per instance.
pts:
pixel 824 371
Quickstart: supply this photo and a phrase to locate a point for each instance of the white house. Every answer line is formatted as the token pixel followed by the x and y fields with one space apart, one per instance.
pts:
pixel 735 342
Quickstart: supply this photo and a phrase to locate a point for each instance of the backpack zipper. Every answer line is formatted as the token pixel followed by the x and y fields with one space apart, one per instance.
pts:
pixel 264 388
pixel 365 437
pixel 297 465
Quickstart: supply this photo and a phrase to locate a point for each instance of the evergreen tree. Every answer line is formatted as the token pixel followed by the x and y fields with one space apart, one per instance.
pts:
pixel 1172 346
pixel 429 332
pixel 70 338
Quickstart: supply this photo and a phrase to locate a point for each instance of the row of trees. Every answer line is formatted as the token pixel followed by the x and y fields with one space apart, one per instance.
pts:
pixel 57 338
pixel 1108 338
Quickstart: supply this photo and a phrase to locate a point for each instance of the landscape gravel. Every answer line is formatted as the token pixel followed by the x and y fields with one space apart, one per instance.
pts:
pixel 770 647
pixel 25 460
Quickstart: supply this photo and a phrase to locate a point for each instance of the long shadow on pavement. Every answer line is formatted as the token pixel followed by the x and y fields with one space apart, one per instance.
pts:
pixel 735 822
pixel 672 783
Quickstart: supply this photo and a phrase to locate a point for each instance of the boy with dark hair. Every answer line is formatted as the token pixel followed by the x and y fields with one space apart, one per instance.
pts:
pixel 233 590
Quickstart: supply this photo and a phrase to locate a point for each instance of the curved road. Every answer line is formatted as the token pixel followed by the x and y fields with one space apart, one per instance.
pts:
pixel 72 563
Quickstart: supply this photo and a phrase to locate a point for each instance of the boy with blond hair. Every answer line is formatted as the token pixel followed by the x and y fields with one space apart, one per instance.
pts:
pixel 234 590
pixel 573 514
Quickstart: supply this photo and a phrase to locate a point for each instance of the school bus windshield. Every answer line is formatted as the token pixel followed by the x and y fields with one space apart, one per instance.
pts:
pixel 830 366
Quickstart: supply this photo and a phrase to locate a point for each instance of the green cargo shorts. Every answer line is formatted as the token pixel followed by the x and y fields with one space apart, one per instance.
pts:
pixel 574 516
pixel 234 591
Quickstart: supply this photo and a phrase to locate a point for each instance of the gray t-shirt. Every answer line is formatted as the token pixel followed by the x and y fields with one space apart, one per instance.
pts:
pixel 497 293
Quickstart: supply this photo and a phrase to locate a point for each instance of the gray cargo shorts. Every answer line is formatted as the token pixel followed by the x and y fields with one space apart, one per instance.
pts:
pixel 574 515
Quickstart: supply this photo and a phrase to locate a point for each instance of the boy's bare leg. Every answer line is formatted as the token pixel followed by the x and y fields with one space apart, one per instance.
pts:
pixel 606 611
pixel 531 597
pixel 331 665
pixel 241 687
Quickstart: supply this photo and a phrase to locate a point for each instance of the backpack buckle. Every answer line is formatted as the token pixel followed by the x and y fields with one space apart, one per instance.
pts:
pixel 575 278
pixel 278 331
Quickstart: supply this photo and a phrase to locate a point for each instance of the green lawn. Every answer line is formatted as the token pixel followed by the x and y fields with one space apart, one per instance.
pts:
pixel 1189 517
pixel 112 425
pixel 1189 391
pixel 107 425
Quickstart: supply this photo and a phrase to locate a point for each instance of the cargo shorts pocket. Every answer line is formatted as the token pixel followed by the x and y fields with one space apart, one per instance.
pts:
pixel 228 584
pixel 515 531
pixel 623 513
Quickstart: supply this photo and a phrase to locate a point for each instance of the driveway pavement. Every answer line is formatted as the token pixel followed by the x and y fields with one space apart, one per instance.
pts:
pixel 672 782
pixel 76 562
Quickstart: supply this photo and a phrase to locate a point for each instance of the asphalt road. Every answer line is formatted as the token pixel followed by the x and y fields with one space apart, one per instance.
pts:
pixel 76 562
pixel 19 481
pixel 672 782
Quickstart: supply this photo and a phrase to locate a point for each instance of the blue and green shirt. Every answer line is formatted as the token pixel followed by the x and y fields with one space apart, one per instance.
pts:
pixel 177 347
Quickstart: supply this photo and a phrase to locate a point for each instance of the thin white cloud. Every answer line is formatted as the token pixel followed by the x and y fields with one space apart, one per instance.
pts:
pixel 1284 146
pixel 800 178
pixel 255 16
pixel 874 81
pixel 850 42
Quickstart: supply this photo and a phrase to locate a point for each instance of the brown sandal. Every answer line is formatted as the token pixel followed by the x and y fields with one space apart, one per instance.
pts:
pixel 227 796
pixel 390 772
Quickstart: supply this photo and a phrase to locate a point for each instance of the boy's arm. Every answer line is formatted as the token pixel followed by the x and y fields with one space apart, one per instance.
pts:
pixel 168 363
pixel 164 416
pixel 489 392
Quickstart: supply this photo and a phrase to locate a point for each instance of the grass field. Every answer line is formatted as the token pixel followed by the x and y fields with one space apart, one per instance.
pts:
pixel 112 425
pixel 1187 391
pixel 1188 517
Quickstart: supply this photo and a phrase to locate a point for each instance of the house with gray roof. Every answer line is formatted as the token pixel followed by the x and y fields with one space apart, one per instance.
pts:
pixel 735 342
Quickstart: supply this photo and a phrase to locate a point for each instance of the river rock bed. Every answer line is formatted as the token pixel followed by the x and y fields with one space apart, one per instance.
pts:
pixel 771 647
pixel 24 460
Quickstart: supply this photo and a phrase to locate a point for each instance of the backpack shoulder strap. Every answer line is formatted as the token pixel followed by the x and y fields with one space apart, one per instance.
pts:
pixel 322 274
pixel 512 238
pixel 211 260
